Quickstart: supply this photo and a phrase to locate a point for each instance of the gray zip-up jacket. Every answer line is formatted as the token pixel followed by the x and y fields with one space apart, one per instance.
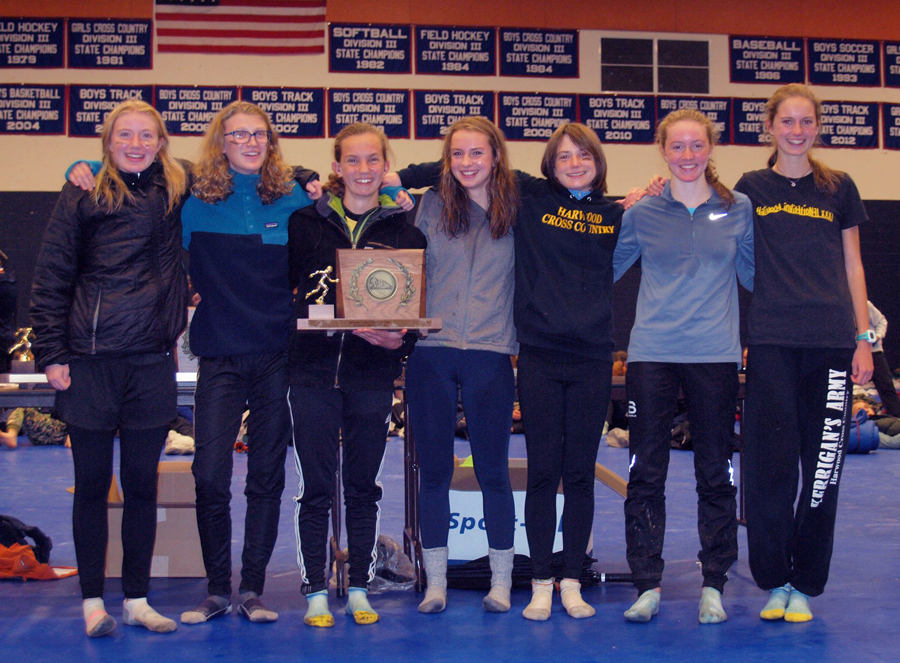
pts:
pixel 469 282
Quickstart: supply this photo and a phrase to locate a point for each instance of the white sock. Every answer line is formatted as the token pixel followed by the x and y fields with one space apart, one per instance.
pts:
pixel 778 600
pixel 436 570
pixel 358 606
pixel 570 593
pixel 317 612
pixel 137 612
pixel 711 610
pixel 645 607
pixel 97 622
pixel 798 608
pixel 501 562
pixel 541 601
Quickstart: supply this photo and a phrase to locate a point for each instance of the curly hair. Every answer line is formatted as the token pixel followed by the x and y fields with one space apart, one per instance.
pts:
pixel 503 193
pixel 213 174
pixel 584 138
pixel 335 185
pixel 827 180
pixel 691 115
pixel 111 191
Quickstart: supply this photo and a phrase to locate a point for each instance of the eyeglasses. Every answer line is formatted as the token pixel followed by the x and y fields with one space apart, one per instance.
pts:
pixel 240 137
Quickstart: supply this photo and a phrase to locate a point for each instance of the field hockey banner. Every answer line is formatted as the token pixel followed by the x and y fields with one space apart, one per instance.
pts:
pixel 716 109
pixel 33 109
pixel 849 124
pixel 542 53
pixel 385 109
pixel 188 110
pixel 534 116
pixel 891 63
pixel 436 110
pixel 619 118
pixel 295 112
pixel 110 44
pixel 844 62
pixel 90 104
pixel 749 122
pixel 466 51
pixel 360 48
pixel 776 60
pixel 891 116
pixel 31 42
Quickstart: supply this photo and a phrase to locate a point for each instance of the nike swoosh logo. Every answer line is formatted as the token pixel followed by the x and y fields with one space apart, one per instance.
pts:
pixel 713 217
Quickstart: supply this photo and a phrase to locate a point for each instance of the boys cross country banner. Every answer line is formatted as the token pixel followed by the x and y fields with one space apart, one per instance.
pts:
pixel 716 109
pixel 386 109
pixel 244 27
pixel 534 116
pixel 188 110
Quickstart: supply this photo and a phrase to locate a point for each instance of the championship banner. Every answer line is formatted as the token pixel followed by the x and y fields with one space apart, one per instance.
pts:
pixel 543 53
pixel 295 112
pixel 187 110
pixel 716 109
pixel 844 62
pixel 378 48
pixel 891 115
pixel 776 60
pixel 619 118
pixel 111 44
pixel 534 116
pixel 749 122
pixel 436 110
pixel 468 51
pixel 31 42
pixel 892 64
pixel 90 104
pixel 849 124
pixel 33 109
pixel 386 109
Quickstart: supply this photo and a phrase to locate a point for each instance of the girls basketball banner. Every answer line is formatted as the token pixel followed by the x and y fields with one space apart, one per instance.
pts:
pixel 33 109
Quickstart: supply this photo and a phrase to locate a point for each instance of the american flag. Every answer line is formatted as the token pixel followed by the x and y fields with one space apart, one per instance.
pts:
pixel 262 27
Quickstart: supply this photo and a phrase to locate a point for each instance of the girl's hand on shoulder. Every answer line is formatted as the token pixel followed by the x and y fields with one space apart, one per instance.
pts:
pixel 656 185
pixel 314 189
pixel 405 201
pixel 58 376
pixel 82 176
pixel 634 194
pixel 862 363
pixel 382 338
pixel 391 179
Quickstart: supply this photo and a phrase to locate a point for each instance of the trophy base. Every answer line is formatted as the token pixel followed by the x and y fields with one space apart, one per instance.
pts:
pixel 346 324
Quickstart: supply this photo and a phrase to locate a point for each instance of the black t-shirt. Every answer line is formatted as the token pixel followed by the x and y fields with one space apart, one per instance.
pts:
pixel 801 297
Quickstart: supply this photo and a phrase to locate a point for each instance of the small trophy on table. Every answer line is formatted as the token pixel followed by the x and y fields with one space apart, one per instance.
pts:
pixel 376 289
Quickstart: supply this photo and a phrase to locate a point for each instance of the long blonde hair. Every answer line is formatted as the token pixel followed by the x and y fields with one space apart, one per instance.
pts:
pixel 826 179
pixel 503 194
pixel 335 185
pixel 111 191
pixel 213 179
pixel 691 115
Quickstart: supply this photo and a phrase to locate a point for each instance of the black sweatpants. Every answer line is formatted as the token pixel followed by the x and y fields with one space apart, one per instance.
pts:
pixel 563 399
pixel 710 392
pixel 884 384
pixel 796 422
pixel 225 386
pixel 356 421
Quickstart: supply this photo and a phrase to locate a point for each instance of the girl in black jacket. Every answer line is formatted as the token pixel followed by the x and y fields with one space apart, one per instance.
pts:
pixel 341 385
pixel 109 300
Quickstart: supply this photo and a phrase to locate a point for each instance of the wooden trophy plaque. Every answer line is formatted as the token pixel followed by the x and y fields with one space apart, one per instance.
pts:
pixel 378 289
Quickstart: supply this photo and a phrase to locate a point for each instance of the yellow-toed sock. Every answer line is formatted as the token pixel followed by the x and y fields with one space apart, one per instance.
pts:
pixel 358 606
pixel 318 614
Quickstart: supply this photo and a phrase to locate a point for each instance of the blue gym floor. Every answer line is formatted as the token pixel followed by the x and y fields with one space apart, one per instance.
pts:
pixel 855 620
